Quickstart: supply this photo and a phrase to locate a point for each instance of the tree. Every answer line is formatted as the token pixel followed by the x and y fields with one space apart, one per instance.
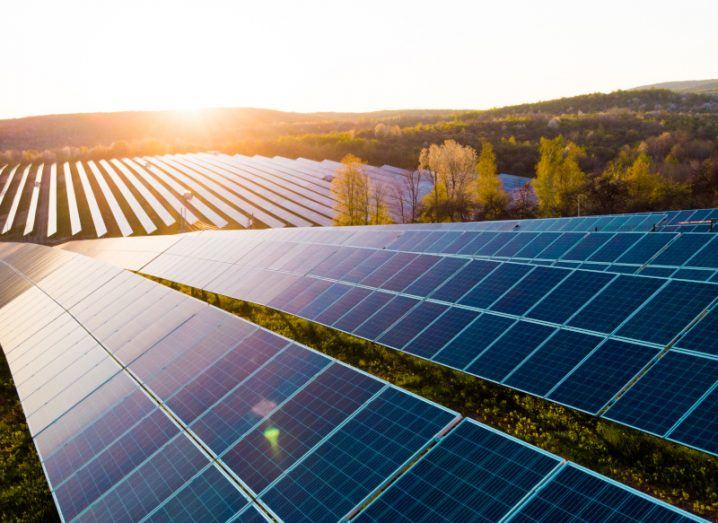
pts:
pixel 559 178
pixel 490 194
pixel 406 194
pixel 358 201
pixel 451 168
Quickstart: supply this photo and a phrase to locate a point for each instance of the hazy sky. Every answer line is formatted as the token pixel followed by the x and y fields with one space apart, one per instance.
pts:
pixel 80 56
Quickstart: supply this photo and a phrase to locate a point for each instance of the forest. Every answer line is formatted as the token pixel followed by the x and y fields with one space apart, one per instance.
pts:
pixel 666 142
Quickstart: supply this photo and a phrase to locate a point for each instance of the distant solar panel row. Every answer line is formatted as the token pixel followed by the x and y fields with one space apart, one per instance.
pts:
pixel 145 404
pixel 167 193
pixel 577 337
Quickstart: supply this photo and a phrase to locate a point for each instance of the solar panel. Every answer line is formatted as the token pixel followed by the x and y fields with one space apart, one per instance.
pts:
pixel 16 201
pixel 75 224
pixel 52 202
pixel 115 209
pixel 147 224
pixel 34 199
pixel 97 220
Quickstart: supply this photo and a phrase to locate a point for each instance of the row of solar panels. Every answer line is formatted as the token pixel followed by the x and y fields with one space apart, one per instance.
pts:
pixel 639 350
pixel 145 404
pixel 693 220
pixel 145 195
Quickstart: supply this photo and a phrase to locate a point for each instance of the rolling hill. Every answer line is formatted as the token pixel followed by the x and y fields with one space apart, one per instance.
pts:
pixel 705 87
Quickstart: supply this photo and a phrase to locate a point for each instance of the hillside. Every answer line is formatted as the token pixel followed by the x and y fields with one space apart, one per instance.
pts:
pixel 707 87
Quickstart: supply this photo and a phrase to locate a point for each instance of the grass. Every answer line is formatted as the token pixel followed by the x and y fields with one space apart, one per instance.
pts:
pixel 676 474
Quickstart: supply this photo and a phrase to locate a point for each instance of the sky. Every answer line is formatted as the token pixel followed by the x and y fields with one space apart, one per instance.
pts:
pixel 310 55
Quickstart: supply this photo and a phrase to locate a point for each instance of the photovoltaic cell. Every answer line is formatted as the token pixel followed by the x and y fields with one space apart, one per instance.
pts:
pixel 436 335
pixel 509 350
pixel 462 350
pixel 411 324
pixel 700 428
pixel 703 336
pixel 587 246
pixel 645 248
pixel 615 303
pixel 473 474
pixel 572 293
pixel 543 369
pixel 670 311
pixel 465 279
pixel 495 285
pixel 365 308
pixel 409 274
pixel 329 482
pixel 615 247
pixel 577 495
pixel 680 250
pixel 529 290
pixel 602 375
pixel 385 317
pixel 432 279
pixel 665 392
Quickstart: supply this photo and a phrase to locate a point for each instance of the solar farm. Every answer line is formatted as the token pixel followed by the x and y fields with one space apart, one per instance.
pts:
pixel 47 203
pixel 146 404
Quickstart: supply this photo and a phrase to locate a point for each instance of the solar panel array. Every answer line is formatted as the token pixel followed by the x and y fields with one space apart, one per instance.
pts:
pixel 136 196
pixel 145 404
pixel 640 350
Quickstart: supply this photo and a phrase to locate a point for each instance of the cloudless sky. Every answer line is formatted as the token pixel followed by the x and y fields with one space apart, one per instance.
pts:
pixel 84 56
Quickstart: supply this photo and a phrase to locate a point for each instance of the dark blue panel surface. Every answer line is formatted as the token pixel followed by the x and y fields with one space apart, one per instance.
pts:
pixel 409 274
pixel 682 249
pixel 495 285
pixel 703 336
pixel 541 371
pixel 665 392
pixel 440 332
pixel 366 267
pixel 615 247
pixel 474 474
pixel 359 313
pixel 460 242
pixel 496 243
pixel 256 396
pixel 569 296
pixel 528 291
pixel 313 289
pixel 645 248
pixel 283 438
pixel 348 466
pixel 209 497
pixel 385 317
pixel 587 246
pixel 670 311
pixel 539 243
pixel 700 428
pixel 438 274
pixel 562 244
pixel 575 495
pixel 324 300
pixel 412 324
pixel 693 274
pixel 464 280
pixel 707 256
pixel 520 241
pixel 603 375
pixel 337 309
pixel 464 348
pixel 509 350
pixel 395 265
pixel 615 303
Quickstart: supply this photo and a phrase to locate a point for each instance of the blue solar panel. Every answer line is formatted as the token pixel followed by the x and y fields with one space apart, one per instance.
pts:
pixel 363 269
pixel 520 241
pixel 439 273
pixel 706 257
pixel 343 304
pixel 682 249
pixel 324 300
pixel 411 324
pixel 385 317
pixel 529 290
pixel 562 244
pixel 615 247
pixel 445 240
pixel 348 466
pixel 303 421
pixel 509 350
pixel 207 497
pixel 474 474
pixel 602 375
pixel 645 248
pixel 361 311
pixel 471 342
pixel 561 303
pixel 459 243
pixel 465 279
pixel 693 274
pixel 615 303
pixel 493 245
pixel 587 246
pixel 700 428
pixel 495 285
pixel 436 335
pixel 476 242
pixel 395 265
pixel 575 494
pixel 670 311
pixel 543 369
pixel 665 392
pixel 409 274
pixel 703 336
pixel 539 243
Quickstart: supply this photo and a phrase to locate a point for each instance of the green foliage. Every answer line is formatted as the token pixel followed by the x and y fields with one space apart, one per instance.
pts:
pixel 671 472
pixel 490 195
pixel 559 179
pixel 24 494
